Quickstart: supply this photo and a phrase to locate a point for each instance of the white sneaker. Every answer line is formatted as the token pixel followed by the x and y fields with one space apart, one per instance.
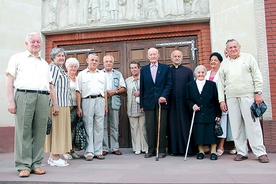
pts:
pixel 59 162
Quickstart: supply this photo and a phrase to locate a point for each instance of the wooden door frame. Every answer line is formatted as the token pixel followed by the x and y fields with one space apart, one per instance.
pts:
pixel 201 30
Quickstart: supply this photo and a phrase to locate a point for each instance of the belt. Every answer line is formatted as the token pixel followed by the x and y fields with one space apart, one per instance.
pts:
pixel 33 91
pixel 93 96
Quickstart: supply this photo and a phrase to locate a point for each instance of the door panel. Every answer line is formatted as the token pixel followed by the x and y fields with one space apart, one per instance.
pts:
pixel 124 53
pixel 137 51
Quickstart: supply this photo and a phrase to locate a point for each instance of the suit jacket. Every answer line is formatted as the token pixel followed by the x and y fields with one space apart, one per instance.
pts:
pixel 150 91
pixel 207 101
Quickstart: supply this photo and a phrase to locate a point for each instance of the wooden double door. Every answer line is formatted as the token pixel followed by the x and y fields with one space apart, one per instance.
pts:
pixel 127 51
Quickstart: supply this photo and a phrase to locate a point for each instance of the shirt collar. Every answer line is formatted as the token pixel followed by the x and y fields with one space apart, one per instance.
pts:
pixel 97 70
pixel 133 79
pixel 108 72
pixel 29 54
pixel 152 65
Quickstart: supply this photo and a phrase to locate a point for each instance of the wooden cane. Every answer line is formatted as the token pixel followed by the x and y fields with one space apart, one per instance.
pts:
pixel 190 133
pixel 158 133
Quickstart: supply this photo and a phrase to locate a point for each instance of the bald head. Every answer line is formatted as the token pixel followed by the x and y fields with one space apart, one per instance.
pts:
pixel 153 55
pixel 177 57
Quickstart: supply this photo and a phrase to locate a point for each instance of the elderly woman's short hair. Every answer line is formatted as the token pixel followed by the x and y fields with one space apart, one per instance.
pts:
pixel 55 52
pixel 200 67
pixel 72 61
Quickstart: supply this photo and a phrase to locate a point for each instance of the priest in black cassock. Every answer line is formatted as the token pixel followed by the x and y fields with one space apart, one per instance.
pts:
pixel 179 115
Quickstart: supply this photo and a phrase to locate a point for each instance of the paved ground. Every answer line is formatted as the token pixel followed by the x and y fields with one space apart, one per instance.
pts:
pixel 130 168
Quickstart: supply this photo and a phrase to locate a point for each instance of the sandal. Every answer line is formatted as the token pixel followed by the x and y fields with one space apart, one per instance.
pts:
pixel 220 152
pixel 74 155
pixel 100 157
pixel 67 156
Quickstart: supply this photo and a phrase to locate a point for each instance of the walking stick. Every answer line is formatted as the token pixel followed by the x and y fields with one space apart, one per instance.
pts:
pixel 158 133
pixel 190 133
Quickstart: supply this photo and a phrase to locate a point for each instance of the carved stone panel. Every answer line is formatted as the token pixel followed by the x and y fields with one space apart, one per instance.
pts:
pixel 69 15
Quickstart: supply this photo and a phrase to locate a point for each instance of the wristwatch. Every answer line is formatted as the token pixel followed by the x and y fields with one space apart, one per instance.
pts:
pixel 258 92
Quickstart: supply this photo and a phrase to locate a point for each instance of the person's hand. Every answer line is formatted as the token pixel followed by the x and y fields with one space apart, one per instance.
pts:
pixel 55 110
pixel 223 106
pixel 79 112
pixel 217 119
pixel 162 100
pixel 12 107
pixel 137 93
pixel 110 93
pixel 258 98
pixel 142 109
pixel 196 108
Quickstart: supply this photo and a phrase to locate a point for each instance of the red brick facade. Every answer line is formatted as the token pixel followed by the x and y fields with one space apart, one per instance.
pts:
pixel 270 14
pixel 269 127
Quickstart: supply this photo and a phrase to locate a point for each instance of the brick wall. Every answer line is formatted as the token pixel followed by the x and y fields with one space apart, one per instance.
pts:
pixel 269 127
pixel 270 13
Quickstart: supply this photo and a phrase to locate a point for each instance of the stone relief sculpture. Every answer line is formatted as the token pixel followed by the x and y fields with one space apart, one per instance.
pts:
pixel 94 11
pixel 122 9
pixel 66 14
pixel 171 10
pixel 114 9
pixel 154 9
pixel 50 10
pixel 105 14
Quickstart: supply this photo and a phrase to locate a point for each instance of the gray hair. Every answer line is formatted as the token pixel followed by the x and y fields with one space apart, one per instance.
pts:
pixel 32 34
pixel 231 40
pixel 112 58
pixel 93 54
pixel 200 67
pixel 71 61
pixel 55 52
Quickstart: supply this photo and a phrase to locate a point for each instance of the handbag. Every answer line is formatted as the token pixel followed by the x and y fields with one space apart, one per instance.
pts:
pixel 257 111
pixel 80 135
pixel 218 129
pixel 49 126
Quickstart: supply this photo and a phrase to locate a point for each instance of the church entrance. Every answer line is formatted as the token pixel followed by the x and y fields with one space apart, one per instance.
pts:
pixel 126 51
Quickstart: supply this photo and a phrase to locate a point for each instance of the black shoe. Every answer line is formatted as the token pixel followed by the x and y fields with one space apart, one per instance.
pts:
pixel 213 156
pixel 149 155
pixel 200 156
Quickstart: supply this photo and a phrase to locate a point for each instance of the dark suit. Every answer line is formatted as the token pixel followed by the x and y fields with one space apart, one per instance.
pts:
pixel 150 92
pixel 204 121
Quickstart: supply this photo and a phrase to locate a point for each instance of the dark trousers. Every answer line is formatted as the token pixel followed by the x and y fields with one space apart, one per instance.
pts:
pixel 152 126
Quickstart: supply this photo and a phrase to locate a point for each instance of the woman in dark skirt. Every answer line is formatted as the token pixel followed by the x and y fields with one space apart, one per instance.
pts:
pixel 202 97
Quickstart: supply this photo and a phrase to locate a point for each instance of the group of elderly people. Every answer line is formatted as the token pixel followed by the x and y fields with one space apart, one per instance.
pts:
pixel 157 89
pixel 201 96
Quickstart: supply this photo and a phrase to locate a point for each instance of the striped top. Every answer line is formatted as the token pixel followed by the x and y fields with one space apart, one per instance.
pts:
pixel 61 81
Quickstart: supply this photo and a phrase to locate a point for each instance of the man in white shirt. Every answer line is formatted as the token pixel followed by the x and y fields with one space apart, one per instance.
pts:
pixel 29 74
pixel 240 80
pixel 92 105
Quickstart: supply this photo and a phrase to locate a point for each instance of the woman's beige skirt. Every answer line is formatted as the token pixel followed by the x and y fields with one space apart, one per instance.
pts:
pixel 59 140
